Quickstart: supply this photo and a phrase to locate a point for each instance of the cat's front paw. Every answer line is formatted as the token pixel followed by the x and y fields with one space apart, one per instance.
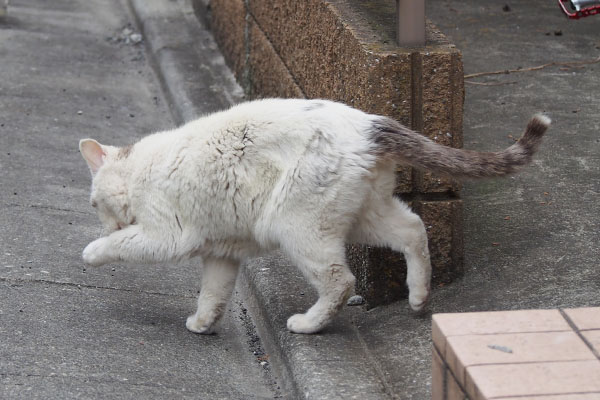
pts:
pixel 96 253
pixel 418 300
pixel 300 323
pixel 198 325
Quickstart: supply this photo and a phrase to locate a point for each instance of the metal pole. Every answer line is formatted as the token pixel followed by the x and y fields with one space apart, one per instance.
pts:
pixel 3 8
pixel 410 22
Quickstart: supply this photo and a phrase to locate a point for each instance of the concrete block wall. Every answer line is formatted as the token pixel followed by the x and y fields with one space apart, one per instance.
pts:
pixel 344 50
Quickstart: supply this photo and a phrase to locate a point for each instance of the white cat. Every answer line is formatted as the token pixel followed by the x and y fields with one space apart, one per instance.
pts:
pixel 304 176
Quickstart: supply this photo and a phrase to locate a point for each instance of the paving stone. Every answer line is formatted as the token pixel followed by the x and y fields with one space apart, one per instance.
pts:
pixel 453 389
pixel 438 376
pixel 515 353
pixel 494 322
pixel 593 337
pixel 575 396
pixel 585 318
pixel 492 381
pixel 465 351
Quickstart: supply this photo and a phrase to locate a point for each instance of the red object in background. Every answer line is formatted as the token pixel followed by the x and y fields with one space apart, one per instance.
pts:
pixel 582 11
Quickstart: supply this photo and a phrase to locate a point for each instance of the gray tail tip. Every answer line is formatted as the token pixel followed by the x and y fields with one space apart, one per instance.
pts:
pixel 542 119
pixel 537 126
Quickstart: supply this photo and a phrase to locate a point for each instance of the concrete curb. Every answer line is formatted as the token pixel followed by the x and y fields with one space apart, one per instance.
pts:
pixel 195 79
pixel 186 59
pixel 334 364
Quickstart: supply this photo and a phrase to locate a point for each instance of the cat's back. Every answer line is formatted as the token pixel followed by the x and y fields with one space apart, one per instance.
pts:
pixel 296 114
pixel 283 128
pixel 277 131
pixel 235 162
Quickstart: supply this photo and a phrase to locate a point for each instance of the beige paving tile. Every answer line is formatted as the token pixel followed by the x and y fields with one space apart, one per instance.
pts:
pixel 453 390
pixel 585 318
pixel 438 376
pixel 468 350
pixel 593 337
pixel 551 378
pixel 578 396
pixel 445 325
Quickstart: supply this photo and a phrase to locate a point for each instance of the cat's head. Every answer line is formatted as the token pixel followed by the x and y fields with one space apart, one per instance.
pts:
pixel 109 189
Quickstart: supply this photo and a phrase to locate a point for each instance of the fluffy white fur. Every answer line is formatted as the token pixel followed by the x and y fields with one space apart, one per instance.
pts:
pixel 296 175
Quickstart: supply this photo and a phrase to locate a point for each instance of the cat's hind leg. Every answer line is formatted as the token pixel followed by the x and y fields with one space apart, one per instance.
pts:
pixel 326 269
pixel 218 280
pixel 388 222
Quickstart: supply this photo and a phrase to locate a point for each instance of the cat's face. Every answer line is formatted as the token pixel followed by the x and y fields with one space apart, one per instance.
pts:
pixel 109 190
pixel 109 198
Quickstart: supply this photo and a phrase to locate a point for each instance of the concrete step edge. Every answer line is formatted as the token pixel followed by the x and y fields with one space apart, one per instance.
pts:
pixel 186 59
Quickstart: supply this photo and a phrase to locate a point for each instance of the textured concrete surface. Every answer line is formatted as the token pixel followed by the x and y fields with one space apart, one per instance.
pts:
pixel 332 364
pixel 70 70
pixel 227 21
pixel 267 74
pixel 186 52
pixel 67 341
pixel 537 230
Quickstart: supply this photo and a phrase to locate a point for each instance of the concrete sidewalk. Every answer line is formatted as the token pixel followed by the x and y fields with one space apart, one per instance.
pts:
pixel 118 332
pixel 69 70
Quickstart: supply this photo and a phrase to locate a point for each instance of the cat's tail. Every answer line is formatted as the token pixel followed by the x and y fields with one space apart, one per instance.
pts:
pixel 392 140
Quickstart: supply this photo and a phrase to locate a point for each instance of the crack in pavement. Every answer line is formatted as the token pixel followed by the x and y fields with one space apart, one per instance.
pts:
pixel 84 379
pixel 87 286
pixel 43 207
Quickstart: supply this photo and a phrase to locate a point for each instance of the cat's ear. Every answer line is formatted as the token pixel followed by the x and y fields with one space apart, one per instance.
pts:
pixel 92 153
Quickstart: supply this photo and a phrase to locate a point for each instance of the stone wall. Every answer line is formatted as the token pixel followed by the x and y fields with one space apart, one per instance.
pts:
pixel 344 50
